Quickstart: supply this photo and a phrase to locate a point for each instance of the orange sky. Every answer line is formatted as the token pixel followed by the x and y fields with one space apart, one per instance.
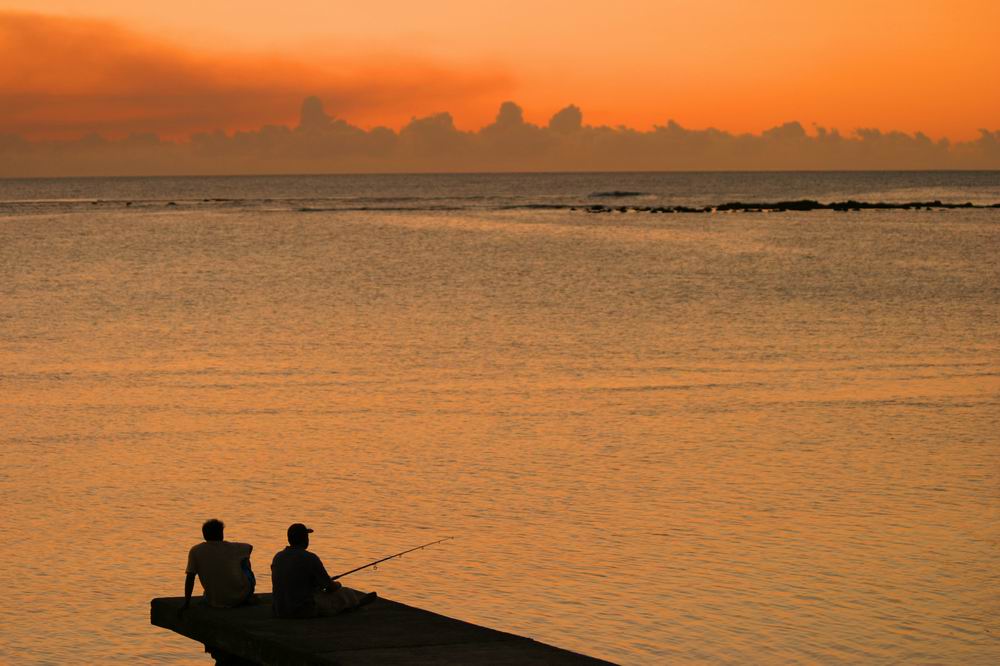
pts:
pixel 73 66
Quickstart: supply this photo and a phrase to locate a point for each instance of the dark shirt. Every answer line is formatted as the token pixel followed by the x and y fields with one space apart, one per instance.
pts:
pixel 295 575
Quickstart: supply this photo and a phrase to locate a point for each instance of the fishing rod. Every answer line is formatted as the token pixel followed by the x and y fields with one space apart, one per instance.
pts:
pixel 376 562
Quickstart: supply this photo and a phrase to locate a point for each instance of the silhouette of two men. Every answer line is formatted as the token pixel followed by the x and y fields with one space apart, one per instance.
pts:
pixel 301 585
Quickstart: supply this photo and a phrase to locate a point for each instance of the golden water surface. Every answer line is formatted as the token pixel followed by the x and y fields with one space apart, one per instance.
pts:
pixel 742 439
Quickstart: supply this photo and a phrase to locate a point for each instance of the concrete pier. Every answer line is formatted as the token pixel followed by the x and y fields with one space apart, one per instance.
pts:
pixel 382 633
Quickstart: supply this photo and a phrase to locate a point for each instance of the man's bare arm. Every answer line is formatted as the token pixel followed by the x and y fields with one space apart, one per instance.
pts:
pixel 188 589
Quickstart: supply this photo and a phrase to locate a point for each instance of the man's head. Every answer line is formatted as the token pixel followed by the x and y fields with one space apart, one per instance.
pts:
pixel 298 535
pixel 212 530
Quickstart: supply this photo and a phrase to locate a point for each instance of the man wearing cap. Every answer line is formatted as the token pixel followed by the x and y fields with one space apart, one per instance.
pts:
pixel 301 585
pixel 223 567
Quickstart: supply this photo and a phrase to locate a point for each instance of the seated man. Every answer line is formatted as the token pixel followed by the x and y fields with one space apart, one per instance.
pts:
pixel 301 585
pixel 223 567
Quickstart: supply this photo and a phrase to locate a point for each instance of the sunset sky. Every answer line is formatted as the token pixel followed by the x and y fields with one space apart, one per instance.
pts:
pixel 69 67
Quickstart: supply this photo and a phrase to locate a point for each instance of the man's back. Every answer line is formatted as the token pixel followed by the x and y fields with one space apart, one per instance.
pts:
pixel 295 575
pixel 218 565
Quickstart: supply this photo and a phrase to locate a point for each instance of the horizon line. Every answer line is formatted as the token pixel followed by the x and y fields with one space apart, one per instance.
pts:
pixel 318 174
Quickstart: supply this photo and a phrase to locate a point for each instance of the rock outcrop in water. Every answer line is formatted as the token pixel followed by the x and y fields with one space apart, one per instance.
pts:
pixel 616 194
pixel 785 206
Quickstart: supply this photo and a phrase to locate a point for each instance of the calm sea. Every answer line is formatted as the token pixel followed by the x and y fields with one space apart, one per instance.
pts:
pixel 738 438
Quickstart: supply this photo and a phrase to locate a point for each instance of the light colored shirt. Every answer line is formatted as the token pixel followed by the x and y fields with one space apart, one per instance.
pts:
pixel 217 564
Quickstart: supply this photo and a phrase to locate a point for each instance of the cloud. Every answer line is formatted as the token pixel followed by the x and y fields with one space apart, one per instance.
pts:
pixel 567 120
pixel 321 143
pixel 90 97
pixel 65 77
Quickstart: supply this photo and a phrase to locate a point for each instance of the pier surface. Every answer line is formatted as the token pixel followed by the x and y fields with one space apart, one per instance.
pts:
pixel 382 633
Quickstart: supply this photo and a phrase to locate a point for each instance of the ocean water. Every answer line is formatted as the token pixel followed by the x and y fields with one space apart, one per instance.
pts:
pixel 734 438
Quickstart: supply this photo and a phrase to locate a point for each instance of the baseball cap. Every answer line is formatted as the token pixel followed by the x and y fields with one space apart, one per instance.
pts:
pixel 297 530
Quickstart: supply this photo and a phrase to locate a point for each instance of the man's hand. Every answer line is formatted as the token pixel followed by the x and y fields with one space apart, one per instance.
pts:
pixel 334 586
